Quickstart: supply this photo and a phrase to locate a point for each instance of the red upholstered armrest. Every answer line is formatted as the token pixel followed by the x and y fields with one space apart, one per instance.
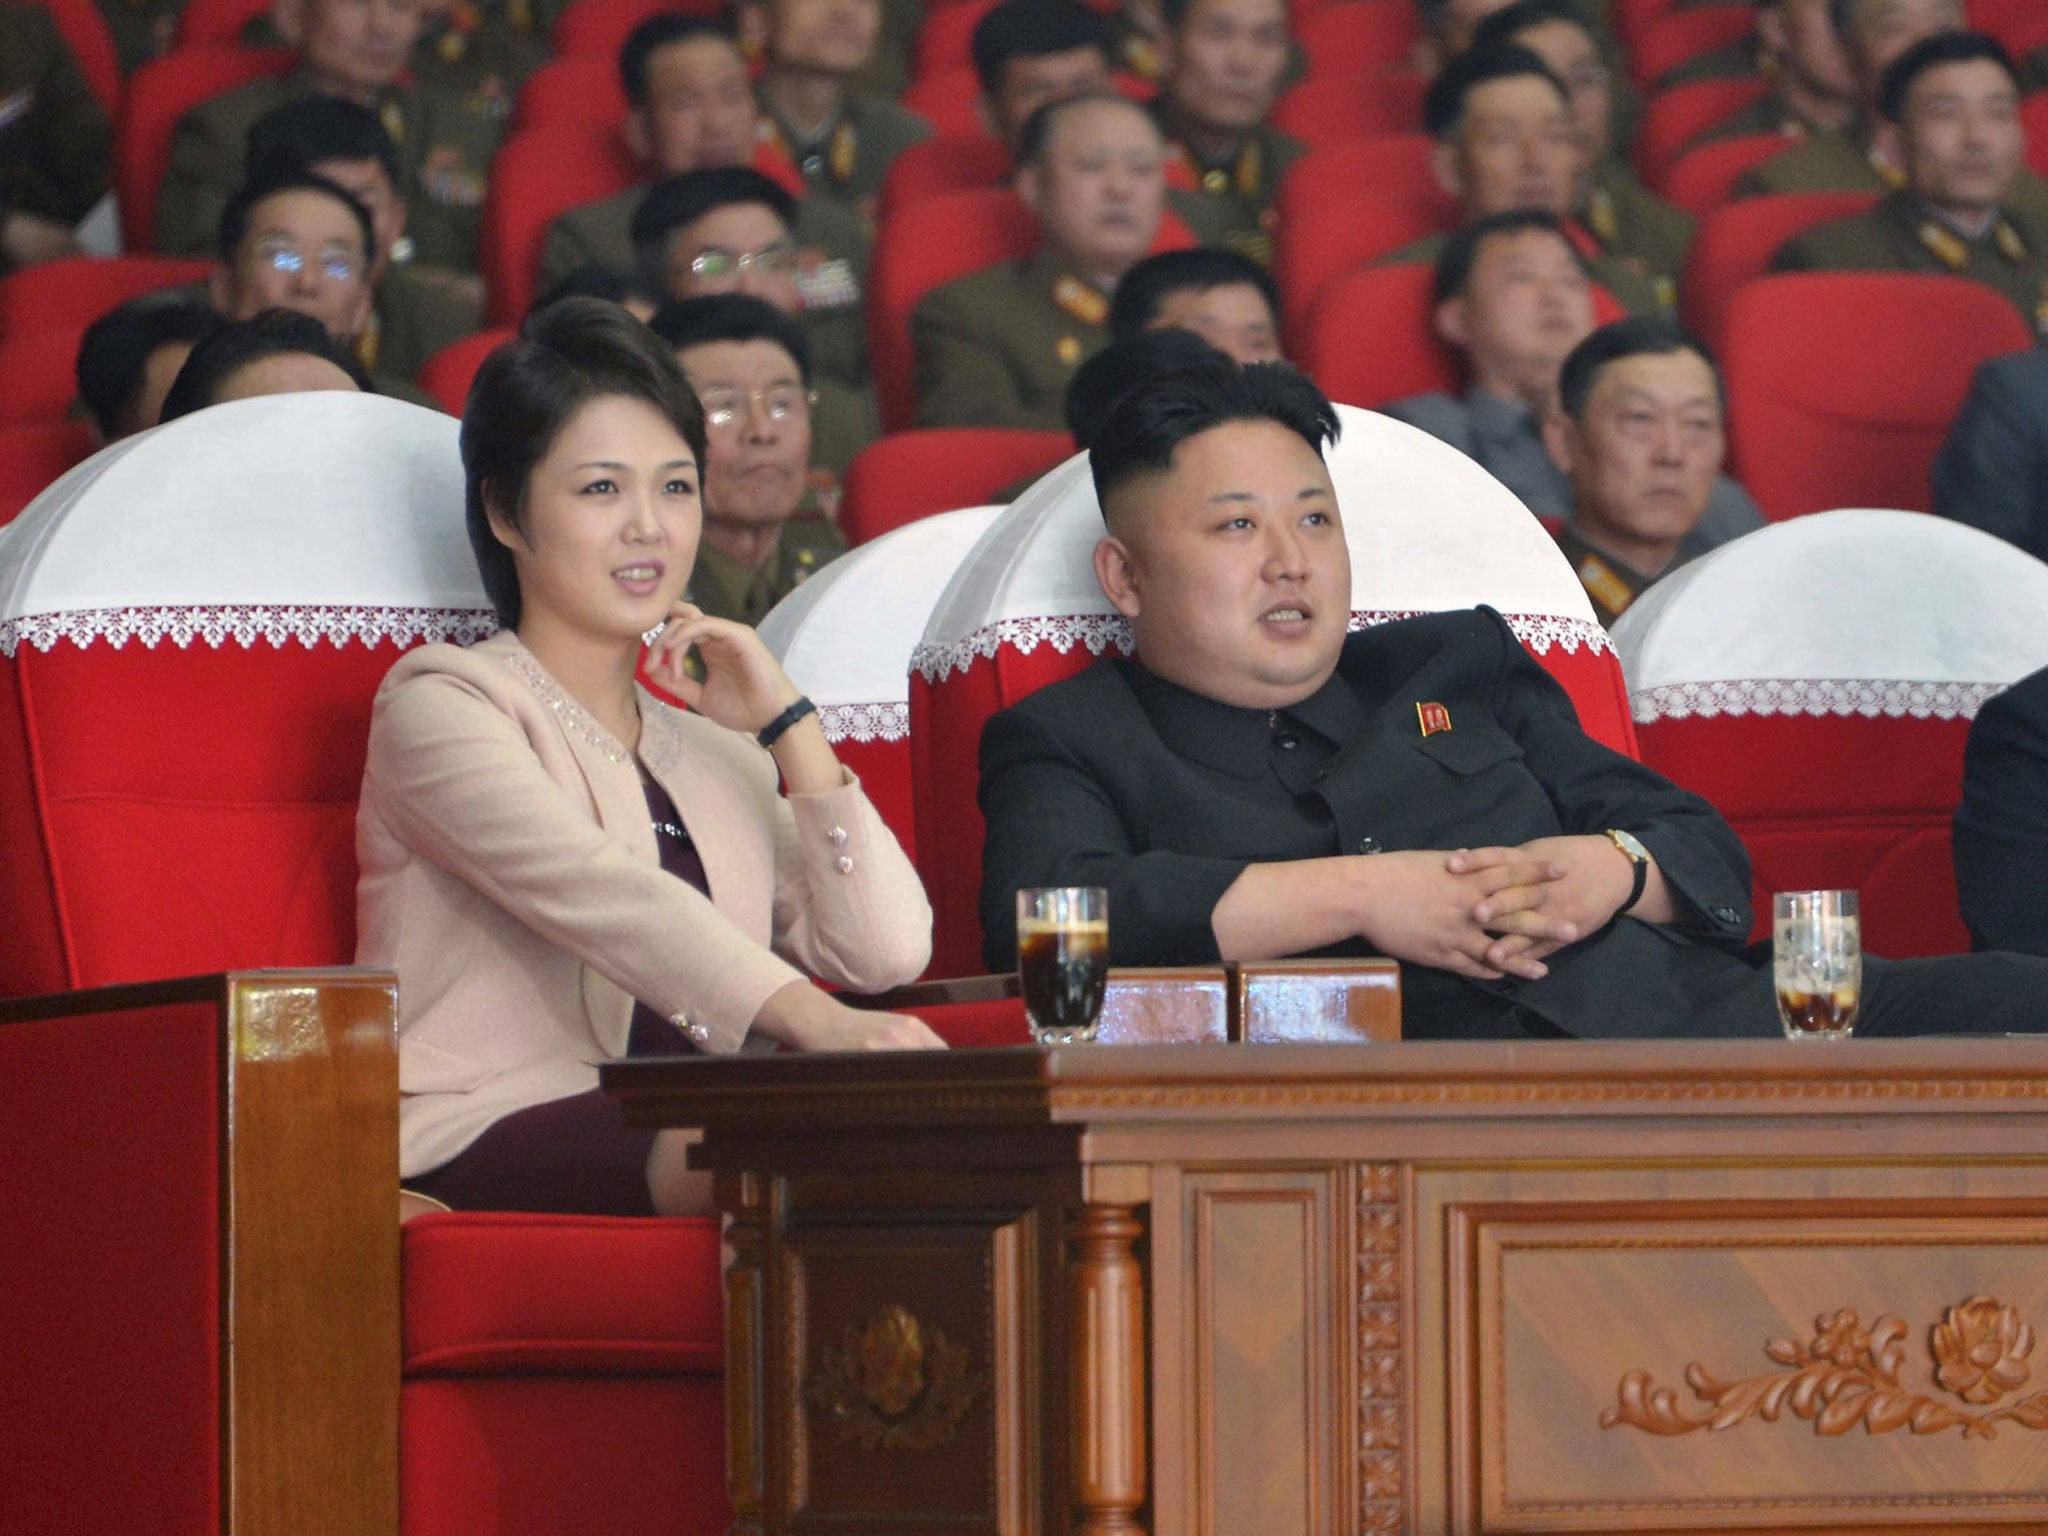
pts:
pixel 199 1251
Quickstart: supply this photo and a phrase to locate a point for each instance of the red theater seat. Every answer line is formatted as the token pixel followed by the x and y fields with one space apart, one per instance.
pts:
pixel 38 373
pixel 1674 117
pixel 908 475
pixel 85 34
pixel 1358 34
pixel 217 23
pixel 946 163
pixel 32 455
pixel 1352 203
pixel 945 38
pixel 576 88
pixel 80 289
pixel 600 26
pixel 158 94
pixel 539 174
pixel 1681 35
pixel 1863 431
pixel 946 98
pixel 2034 118
pixel 1736 243
pixel 1702 179
pixel 1431 530
pixel 1816 681
pixel 845 638
pixel 449 372
pixel 1330 109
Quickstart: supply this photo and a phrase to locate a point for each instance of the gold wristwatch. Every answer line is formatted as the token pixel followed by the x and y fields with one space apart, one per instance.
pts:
pixel 1637 855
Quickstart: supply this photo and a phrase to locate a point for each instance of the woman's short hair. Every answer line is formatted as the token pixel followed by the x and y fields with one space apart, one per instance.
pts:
pixel 231 347
pixel 564 357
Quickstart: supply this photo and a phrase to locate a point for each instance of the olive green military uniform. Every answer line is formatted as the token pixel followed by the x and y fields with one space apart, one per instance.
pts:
pixel 445 145
pixel 1636 229
pixel 889 71
pixel 998 347
pixel 832 278
pixel 55 140
pixel 1231 205
pixel 725 589
pixel 1900 235
pixel 1841 162
pixel 848 159
pixel 413 316
pixel 1636 293
pixel 1610 584
pixel 1767 114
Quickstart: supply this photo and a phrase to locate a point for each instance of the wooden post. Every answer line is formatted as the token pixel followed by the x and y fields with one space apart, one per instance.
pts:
pixel 1106 1370
pixel 744 1197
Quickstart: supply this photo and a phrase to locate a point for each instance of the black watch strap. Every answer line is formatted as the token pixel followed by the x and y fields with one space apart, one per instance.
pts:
pixel 1635 892
pixel 771 733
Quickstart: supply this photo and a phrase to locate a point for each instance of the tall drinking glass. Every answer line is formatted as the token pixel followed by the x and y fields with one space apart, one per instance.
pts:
pixel 1063 960
pixel 1817 952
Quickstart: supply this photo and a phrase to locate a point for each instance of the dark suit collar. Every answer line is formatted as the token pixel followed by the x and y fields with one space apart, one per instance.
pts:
pixel 1235 740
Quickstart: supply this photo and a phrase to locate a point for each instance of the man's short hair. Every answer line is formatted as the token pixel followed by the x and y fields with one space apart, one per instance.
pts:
pixel 268 182
pixel 1637 336
pixel 238 343
pixel 1932 53
pixel 1142 292
pixel 680 201
pixel 1038 127
pixel 116 349
pixel 1504 26
pixel 1461 247
pixel 636 53
pixel 304 133
pixel 1122 366
pixel 1152 420
pixel 732 317
pixel 594 281
pixel 1443 108
pixel 1031 29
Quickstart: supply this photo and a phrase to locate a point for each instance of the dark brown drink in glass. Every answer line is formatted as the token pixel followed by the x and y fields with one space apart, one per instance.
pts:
pixel 1818 1013
pixel 1063 970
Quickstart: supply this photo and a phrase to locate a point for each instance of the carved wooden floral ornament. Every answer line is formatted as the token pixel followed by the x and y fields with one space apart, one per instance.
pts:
pixel 1847 1375
pixel 894 1384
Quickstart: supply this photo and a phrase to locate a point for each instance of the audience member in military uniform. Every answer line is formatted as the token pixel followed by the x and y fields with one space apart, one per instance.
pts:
pixel 1512 299
pixel 1992 473
pixel 812 50
pixel 999 347
pixel 751 367
pixel 1811 87
pixel 1633 228
pixel 1640 427
pixel 692 109
pixel 129 356
pixel 1447 29
pixel 1030 52
pixel 1504 140
pixel 1226 299
pixel 2001 827
pixel 1221 72
pixel 55 140
pixel 731 230
pixel 272 352
pixel 358 50
pixel 1950 106
pixel 416 311
pixel 481 47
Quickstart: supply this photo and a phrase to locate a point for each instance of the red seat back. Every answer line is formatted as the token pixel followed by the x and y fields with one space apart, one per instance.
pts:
pixel 184 699
pixel 908 475
pixel 85 34
pixel 1901 351
pixel 539 174
pixel 448 374
pixel 1359 34
pixel 80 289
pixel 601 26
pixel 1702 179
pixel 1674 117
pixel 1737 242
pixel 38 373
pixel 945 163
pixel 1429 530
pixel 576 88
pixel 32 455
pixel 160 93
pixel 946 98
pixel 217 23
pixel 1352 203
pixel 945 39
pixel 1682 35
pixel 1331 109
pixel 1856 646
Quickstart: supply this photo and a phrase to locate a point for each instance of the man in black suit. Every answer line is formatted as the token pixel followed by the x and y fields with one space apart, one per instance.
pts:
pixel 1993 471
pixel 2001 828
pixel 1254 783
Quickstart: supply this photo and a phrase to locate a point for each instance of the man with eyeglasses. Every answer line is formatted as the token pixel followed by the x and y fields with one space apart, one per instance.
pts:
pixel 293 240
pixel 750 365
pixel 1631 225
pixel 730 230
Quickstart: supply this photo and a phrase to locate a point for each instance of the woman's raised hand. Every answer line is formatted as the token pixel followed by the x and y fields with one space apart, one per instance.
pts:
pixel 744 686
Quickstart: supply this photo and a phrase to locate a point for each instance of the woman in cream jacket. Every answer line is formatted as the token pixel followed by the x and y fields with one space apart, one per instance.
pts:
pixel 561 868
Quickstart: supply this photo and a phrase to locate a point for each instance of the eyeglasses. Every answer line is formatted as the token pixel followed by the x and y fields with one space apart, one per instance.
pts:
pixel 784 403
pixel 274 251
pixel 715 266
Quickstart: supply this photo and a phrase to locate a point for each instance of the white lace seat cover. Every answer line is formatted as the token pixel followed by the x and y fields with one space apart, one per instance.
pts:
pixel 1816 680
pixel 1428 529
pixel 845 638
pixel 192 625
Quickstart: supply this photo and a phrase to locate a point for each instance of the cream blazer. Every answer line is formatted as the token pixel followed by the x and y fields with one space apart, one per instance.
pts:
pixel 511 877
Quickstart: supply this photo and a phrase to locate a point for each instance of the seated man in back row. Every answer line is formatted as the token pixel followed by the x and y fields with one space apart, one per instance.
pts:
pixel 1254 783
